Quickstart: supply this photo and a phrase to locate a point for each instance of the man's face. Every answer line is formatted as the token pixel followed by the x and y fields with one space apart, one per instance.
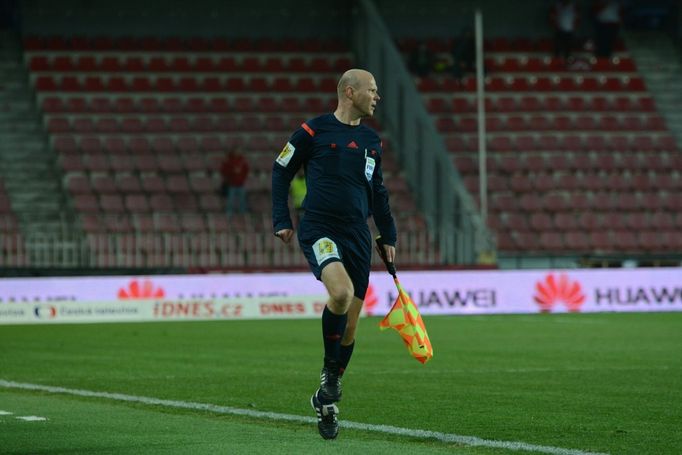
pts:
pixel 366 96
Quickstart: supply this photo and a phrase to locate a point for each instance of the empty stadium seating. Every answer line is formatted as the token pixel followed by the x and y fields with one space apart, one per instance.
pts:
pixel 140 127
pixel 579 160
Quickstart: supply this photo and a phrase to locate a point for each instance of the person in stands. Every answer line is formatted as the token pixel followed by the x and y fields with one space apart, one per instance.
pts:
pixel 234 171
pixel 564 18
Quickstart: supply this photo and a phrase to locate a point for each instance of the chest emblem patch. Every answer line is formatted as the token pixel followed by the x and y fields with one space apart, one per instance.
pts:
pixel 369 168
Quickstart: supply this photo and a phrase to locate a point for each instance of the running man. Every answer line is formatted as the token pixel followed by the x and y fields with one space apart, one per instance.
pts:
pixel 342 162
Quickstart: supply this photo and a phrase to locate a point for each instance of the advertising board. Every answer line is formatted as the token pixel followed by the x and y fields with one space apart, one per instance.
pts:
pixel 435 292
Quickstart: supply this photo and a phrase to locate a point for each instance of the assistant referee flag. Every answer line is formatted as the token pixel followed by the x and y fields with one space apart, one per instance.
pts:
pixel 405 318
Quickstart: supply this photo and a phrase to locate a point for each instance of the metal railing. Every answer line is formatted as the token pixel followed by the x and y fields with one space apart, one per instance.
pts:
pixel 238 250
pixel 450 210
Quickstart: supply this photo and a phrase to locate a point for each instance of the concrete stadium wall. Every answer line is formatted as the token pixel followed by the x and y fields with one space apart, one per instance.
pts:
pixel 301 18
pixel 268 18
pixel 442 18
pixel 255 18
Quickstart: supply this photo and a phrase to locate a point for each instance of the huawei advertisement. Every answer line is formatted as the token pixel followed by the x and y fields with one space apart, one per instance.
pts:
pixel 299 295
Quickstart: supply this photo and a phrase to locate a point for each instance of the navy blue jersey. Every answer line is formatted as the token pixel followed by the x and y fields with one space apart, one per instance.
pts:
pixel 343 176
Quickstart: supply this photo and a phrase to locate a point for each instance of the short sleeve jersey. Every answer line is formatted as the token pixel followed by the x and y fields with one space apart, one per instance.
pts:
pixel 343 175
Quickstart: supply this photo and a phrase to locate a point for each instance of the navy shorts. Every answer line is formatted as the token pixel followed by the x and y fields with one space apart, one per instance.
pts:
pixel 323 244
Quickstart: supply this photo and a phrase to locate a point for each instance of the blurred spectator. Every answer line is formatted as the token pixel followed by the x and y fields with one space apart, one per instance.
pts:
pixel 564 19
pixel 421 60
pixel 298 191
pixel 235 170
pixel 608 16
pixel 464 54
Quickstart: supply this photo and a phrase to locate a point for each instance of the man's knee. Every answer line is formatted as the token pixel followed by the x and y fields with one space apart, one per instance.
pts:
pixel 339 286
pixel 340 297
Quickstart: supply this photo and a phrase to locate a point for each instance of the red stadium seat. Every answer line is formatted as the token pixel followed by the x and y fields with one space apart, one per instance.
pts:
pixel 192 223
pixel 179 125
pixel 653 122
pixel 91 145
pixel 634 84
pixel 645 104
pixel 46 84
pixel 666 143
pixel 577 241
pixel 516 123
pixel 185 202
pixel 552 241
pixel 137 203
pixel 58 125
pixel 320 64
pixel 549 143
pixel 171 163
pixel 305 84
pixel 76 104
pixel 161 202
pixel 145 162
pixel 596 143
pixel 585 122
pixel 65 144
pixel 625 241
pixel 211 203
pixel 643 144
pixel 501 144
pixel 541 221
pixel 164 147
pixel 166 222
pixel 53 104
pixel 128 183
pixel 75 184
pixel 623 104
pixel 134 64
pixel 86 203
pixel 93 84
pixel 572 143
pixel 124 105
pixel 111 203
pixel 575 103
pixel 103 183
pixel 106 125
pixel 116 84
pixel 526 143
pixel 110 64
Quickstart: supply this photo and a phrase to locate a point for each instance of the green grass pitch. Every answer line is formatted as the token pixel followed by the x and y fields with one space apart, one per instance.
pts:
pixel 590 382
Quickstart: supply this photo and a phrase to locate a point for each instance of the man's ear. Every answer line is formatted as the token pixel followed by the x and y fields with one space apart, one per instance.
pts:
pixel 349 92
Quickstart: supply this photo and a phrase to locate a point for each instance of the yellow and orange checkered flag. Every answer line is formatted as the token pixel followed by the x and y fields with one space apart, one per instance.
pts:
pixel 405 318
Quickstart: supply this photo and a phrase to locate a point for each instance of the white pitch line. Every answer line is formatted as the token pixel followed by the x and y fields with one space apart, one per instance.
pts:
pixel 387 429
pixel 32 418
pixel 6 413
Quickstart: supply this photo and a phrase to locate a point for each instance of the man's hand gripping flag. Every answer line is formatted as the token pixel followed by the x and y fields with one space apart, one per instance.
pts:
pixel 405 318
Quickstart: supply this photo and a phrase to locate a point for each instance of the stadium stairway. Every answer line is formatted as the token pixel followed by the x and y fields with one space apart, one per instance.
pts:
pixel 660 63
pixel 27 165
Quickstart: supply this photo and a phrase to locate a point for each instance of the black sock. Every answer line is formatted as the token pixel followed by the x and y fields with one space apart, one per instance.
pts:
pixel 346 353
pixel 333 326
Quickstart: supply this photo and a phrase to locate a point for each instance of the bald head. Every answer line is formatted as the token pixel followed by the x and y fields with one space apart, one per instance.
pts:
pixel 358 95
pixel 354 78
